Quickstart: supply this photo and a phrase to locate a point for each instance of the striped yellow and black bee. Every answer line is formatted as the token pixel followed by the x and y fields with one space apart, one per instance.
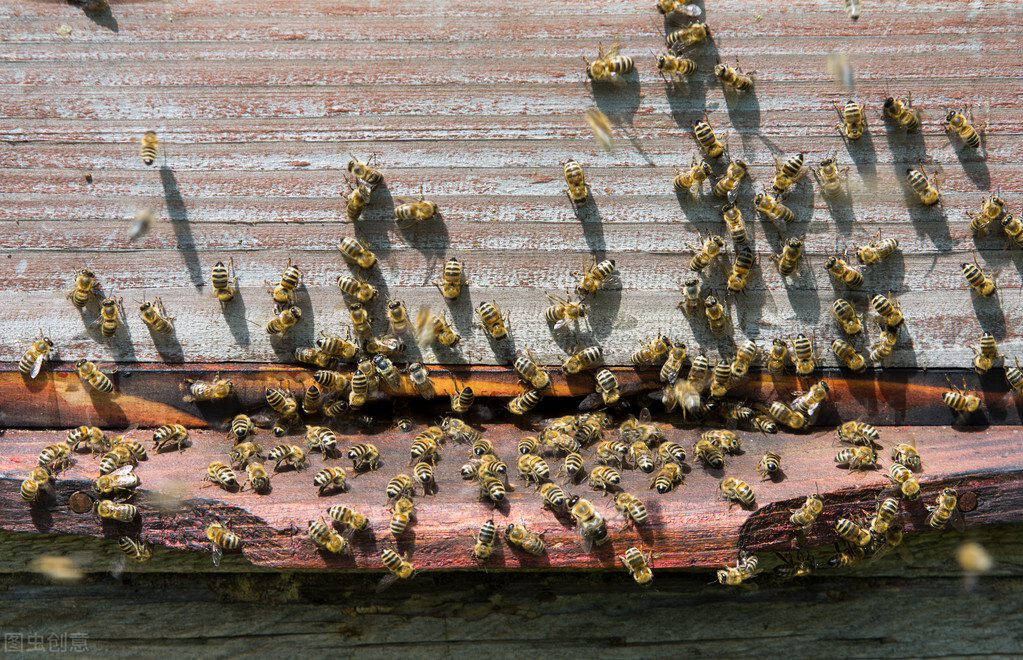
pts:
pixel 854 120
pixel 608 65
pixel 734 77
pixel 961 122
pixel 149 147
pixel 709 142
pixel 223 283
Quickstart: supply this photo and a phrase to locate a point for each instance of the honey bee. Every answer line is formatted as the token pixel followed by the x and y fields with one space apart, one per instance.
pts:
pixel 631 507
pixel 399 566
pixel 671 452
pixel 290 455
pixel 843 312
pixel 149 147
pixel 853 120
pixel 96 379
pixel 430 327
pixel 413 211
pixel 386 345
pixel 604 477
pixel 772 208
pixel 745 568
pixel 715 315
pixel 672 69
pixel 769 465
pixel 902 113
pixel 155 317
pixel 337 346
pixel 452 279
pixel 118 456
pixel 847 354
pixel 804 355
pixel 524 402
pixel 595 276
pixel 331 477
pixel 256 477
pixel 691 294
pixel 357 287
pixel 321 438
pixel 669 476
pixel 572 466
pixel 355 252
pixel 794 566
pixel 612 451
pixel 734 78
pixel 533 468
pixel 877 250
pixel 926 189
pixel 327 539
pixel 457 430
pixel 961 400
pixel 847 558
pixel 687 35
pixel 85 281
pixel 581 360
pixel 776 356
pixel 857 458
pixel 492 488
pixel 111 315
pixel 31 362
pixel 282 401
pixel 562 312
pixel 349 517
pixel 601 127
pixel 218 388
pixel 575 178
pixel 945 508
pixel 33 487
pixel 363 170
pixel 641 457
pixel 806 515
pixel 993 210
pixel 493 322
pixel 285 319
pixel 360 319
pixel 787 416
pixel 529 369
pixel 673 364
pixel 985 353
pixel 221 474
pixel 589 522
pixel 484 546
pixel 843 271
pixel 462 400
pixel 725 440
pixel 728 185
pixel 737 491
pixel 118 511
pixel 789 259
pixel 222 539
pixel 402 513
pixel 827 177
pixel 608 65
pixel 961 122
pixel 787 173
pixel 137 549
pixel 881 350
pixel 888 309
pixel 356 199
pixel 859 433
pixel 169 434
pixel 907 456
pixel 91 436
pixel 520 537
pixel 852 533
pixel 638 565
pixel 720 379
pixel 704 135
pixel 1013 229
pixel 733 221
pixel 710 248
pixel 1014 376
pixel 688 9
pixel 696 174
pixel 807 402
pixel 978 281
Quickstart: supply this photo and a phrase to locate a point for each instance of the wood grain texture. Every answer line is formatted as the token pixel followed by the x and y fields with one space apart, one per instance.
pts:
pixel 689 527
pixel 259 104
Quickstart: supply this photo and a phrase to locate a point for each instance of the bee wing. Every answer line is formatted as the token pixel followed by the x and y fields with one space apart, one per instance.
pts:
pixel 37 366
pixel 957 520
pixel 733 194
pixel 217 554
pixel 122 470
pixel 561 324
pixel 386 582
pixel 592 401
pixel 644 416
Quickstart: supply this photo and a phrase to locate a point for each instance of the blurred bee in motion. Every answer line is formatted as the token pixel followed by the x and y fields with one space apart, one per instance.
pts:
pixel 853 120
pixel 85 281
pixel 638 564
pixel 728 185
pixel 961 122
pixel 136 549
pixel 827 177
pixel 993 210
pixel 961 400
pixel 788 261
pixel 769 466
pixel 843 312
pixel 674 68
pixel 745 569
pixel 794 566
pixel 680 6
pixel 563 312
pixel 882 349
pixel 529 370
pixel 348 517
pixel 118 511
pixel 577 188
pixel 852 533
pixel 704 134
pixel 200 390
pixel 857 458
pixel 484 541
pixel 711 247
pixel 737 491
pixel 35 485
pixel 608 65
pixel 669 476
pixel 327 539
pixel 595 276
pixel 365 171
pixel 804 355
pixel 355 252
pixel 839 268
pixel 582 360
pixel 732 216
pixel 96 379
pixel 292 456
pixel 734 78
pixel 877 250
pixel 141 224
pixel 985 354
pixel 223 539
pixel 149 146
pixel 32 360
pixel 430 327
pixel 902 476
pixel 978 281
pixel 901 111
pixel 776 356
pixel 688 35
pixel 361 322
pixel 223 283
pixel 888 309
pixel 858 433
pixel 945 509
pixel 155 317
pixel 356 199
pixel 601 128
pixel 715 313
pixel 772 208
pixel 697 173
pixel 452 279
pixel 852 8
pixel 169 434
pixel 413 211
pixel 589 522
pixel 847 354
pixel 520 537
pixel 111 315
pixel 787 173
pixel 357 288
pixel 493 322
pixel 926 189
pixel 806 515
pixel 691 297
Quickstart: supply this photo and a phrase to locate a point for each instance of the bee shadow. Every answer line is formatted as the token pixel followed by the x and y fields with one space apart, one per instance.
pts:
pixel 989 314
pixel 592 227
pixel 840 208
pixel 910 145
pixel 618 99
pixel 406 543
pixel 928 220
pixel 234 315
pixel 687 100
pixel 428 237
pixel 179 222
pixel 110 414
pixel 100 15
pixel 974 164
pixel 603 313
pixel 377 219
pixel 801 289
pixel 605 554
pixel 744 114
pixel 864 156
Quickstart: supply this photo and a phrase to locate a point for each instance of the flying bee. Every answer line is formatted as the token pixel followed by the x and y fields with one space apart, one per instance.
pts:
pixel 711 247
pixel 843 312
pixel 961 400
pixel 737 491
pixel 688 35
pixel 222 539
pixel 847 354
pixel 857 458
pixel 881 350
pixel 978 281
pixel 218 388
pixel 926 189
pixel 357 288
pixel 290 455
pixel 355 252
pixel 452 279
pixel 431 327
pixel 608 65
pixel 575 178
pixel 413 211
pixel 673 68
pixel 769 465
pixel 595 276
pixel 402 513
pixel 85 281
pixel 462 400
pixel 787 173
pixel 852 533
pixel 858 433
pixel 776 356
pixel 843 271
pixel 715 313
pixel 733 221
pixel 901 111
pixel 961 122
pixel 902 477
pixel 221 474
pixel 945 508
pixel 728 185
pixel 524 402
pixel 589 522
pixel 788 261
pixel 985 353
pixel 877 250
pixel 484 546
pixel 96 379
pixel 327 539
pixel 529 370
pixel 32 360
pixel 888 309
pixel 669 476
pixel 562 312
pixel 853 120
pixel 993 210
pixel 906 455
pixel 691 297
pixel 772 208
pixel 601 127
pixel 118 511
pixel 578 361
pixel 805 516
pixel 493 322
pixel 356 199
pixel 150 143
pixel 704 135
pixel 827 177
